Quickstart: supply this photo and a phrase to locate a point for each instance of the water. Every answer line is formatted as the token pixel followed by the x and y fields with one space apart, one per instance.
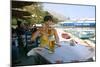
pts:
pixel 84 33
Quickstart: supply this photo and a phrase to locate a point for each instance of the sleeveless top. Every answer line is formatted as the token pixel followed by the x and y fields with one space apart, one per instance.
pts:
pixel 43 38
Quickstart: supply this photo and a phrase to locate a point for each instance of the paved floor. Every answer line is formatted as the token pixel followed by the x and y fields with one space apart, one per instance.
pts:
pixel 26 61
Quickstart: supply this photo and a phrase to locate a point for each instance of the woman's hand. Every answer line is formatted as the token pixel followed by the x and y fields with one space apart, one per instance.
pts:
pixel 58 44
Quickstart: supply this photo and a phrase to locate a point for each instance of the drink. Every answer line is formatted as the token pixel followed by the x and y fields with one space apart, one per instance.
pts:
pixel 51 46
pixel 51 40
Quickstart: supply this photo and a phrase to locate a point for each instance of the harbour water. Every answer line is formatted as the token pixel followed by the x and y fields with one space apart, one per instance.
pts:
pixel 84 33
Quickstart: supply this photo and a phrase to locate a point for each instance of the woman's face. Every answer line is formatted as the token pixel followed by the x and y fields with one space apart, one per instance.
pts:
pixel 49 23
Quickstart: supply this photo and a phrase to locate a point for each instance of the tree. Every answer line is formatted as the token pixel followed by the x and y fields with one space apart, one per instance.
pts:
pixel 36 11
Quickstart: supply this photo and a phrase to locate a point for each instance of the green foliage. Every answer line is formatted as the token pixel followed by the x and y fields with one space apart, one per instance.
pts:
pixel 37 13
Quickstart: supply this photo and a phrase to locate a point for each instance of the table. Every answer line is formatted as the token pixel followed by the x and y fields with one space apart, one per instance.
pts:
pixel 65 53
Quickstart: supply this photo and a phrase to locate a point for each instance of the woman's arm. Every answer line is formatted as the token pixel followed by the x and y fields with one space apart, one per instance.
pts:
pixel 56 36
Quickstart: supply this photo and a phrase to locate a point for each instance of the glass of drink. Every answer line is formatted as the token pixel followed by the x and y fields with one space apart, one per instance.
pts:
pixel 51 40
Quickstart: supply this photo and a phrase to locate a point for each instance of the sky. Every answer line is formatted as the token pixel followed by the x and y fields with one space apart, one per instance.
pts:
pixel 72 11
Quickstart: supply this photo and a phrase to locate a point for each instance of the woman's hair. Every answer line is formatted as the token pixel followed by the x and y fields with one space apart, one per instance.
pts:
pixel 48 18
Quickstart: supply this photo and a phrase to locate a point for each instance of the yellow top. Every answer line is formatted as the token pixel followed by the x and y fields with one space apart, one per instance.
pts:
pixel 44 38
pixel 44 41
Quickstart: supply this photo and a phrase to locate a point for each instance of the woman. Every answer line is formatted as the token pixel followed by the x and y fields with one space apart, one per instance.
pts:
pixel 48 35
